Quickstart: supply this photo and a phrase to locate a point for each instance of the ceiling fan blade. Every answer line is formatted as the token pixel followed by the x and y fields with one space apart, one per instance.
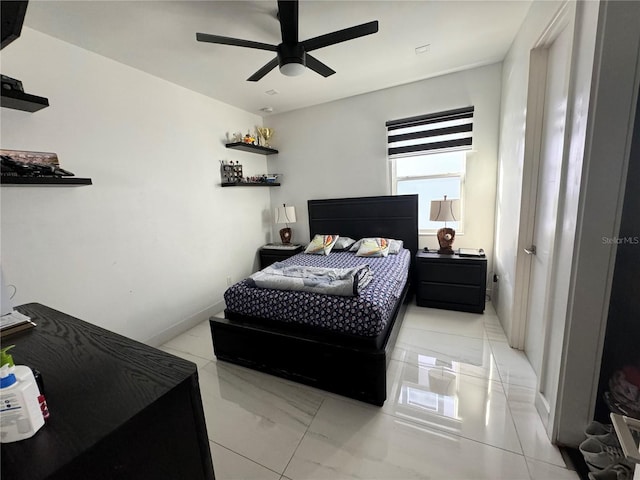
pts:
pixel 340 36
pixel 263 71
pixel 318 67
pixel 288 16
pixel 205 37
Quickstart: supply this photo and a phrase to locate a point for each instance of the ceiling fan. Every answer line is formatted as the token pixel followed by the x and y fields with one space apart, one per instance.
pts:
pixel 292 56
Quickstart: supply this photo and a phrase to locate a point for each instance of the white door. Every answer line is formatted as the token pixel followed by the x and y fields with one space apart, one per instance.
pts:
pixel 554 58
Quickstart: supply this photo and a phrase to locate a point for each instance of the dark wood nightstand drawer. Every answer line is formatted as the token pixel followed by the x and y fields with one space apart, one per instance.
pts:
pixel 465 273
pixel 447 293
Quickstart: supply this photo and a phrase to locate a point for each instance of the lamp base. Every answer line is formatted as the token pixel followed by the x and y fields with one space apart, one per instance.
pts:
pixel 285 235
pixel 445 239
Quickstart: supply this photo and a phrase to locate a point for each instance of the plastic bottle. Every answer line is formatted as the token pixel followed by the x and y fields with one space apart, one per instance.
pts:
pixel 20 413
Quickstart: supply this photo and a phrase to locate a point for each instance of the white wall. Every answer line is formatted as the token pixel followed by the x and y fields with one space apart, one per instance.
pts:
pixel 152 242
pixel 339 149
pixel 515 79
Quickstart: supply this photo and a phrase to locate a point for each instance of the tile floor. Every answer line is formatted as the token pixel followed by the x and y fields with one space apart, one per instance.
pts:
pixel 459 406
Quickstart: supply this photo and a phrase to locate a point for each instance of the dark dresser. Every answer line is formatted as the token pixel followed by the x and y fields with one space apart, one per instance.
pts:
pixel 119 409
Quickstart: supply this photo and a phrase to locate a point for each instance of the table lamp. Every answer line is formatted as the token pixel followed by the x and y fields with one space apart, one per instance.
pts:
pixel 285 215
pixel 445 211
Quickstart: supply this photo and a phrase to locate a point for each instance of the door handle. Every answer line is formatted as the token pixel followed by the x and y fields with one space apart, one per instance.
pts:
pixel 531 250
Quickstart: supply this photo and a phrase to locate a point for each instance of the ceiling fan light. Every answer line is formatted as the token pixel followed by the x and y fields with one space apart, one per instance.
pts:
pixel 292 69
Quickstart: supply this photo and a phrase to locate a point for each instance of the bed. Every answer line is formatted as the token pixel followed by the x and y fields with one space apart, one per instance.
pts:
pixel 349 360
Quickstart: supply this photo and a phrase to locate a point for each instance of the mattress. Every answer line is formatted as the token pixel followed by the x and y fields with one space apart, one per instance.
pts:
pixel 366 315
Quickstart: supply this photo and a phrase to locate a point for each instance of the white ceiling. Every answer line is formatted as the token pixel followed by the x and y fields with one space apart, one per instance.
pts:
pixel 159 37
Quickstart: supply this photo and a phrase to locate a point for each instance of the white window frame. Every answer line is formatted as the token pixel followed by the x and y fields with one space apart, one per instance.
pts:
pixel 422 203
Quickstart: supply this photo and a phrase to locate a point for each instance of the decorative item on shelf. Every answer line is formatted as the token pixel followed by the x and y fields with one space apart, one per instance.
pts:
pixel 285 215
pixel 248 138
pixel 18 163
pixel 237 137
pixel 9 83
pixel 264 178
pixel 445 211
pixel 230 172
pixel 264 135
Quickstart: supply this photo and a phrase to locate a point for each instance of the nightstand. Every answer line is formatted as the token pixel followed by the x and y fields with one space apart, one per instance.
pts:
pixel 451 282
pixel 275 253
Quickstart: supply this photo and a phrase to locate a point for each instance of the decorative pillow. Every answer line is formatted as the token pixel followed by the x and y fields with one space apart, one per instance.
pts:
pixel 321 244
pixel 356 246
pixel 395 246
pixel 343 243
pixel 373 247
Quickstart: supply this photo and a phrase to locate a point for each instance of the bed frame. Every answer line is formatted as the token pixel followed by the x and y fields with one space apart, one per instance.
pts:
pixel 340 363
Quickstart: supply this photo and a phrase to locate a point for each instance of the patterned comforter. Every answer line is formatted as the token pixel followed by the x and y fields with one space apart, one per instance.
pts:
pixel 365 315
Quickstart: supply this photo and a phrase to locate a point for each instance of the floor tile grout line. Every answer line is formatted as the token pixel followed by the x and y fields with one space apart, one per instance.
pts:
pixel 519 439
pixel 497 366
pixel 513 419
pixel 302 437
pixel 449 333
pixel 493 357
pixel 245 457
pixel 534 459
pixel 164 345
pixel 478 377
pixel 522 447
pixel 408 420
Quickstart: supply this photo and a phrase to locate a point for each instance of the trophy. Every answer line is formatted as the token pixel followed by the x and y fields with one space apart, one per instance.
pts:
pixel 265 134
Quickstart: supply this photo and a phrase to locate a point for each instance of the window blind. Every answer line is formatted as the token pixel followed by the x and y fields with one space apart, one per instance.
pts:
pixel 431 133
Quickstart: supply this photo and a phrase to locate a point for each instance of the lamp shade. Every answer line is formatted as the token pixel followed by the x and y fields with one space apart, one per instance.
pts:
pixel 445 210
pixel 285 214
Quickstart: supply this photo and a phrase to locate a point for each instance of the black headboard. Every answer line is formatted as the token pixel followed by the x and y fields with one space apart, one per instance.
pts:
pixel 386 216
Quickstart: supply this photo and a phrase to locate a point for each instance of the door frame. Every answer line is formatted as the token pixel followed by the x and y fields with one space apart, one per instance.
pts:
pixel 604 103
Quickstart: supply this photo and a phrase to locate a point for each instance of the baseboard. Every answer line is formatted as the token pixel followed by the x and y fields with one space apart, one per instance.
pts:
pixel 184 325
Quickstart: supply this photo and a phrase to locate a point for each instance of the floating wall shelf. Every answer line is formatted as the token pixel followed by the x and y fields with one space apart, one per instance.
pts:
pixel 46 181
pixel 249 147
pixel 246 184
pixel 18 100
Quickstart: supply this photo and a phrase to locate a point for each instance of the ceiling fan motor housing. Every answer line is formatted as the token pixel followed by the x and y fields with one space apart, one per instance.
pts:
pixel 291 54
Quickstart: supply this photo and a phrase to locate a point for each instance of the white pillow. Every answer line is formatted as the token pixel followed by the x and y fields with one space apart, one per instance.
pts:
pixel 394 246
pixel 373 247
pixel 343 243
pixel 321 244
pixel 356 246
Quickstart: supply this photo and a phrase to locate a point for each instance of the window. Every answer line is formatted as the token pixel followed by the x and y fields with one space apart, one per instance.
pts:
pixel 428 156
pixel 431 176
